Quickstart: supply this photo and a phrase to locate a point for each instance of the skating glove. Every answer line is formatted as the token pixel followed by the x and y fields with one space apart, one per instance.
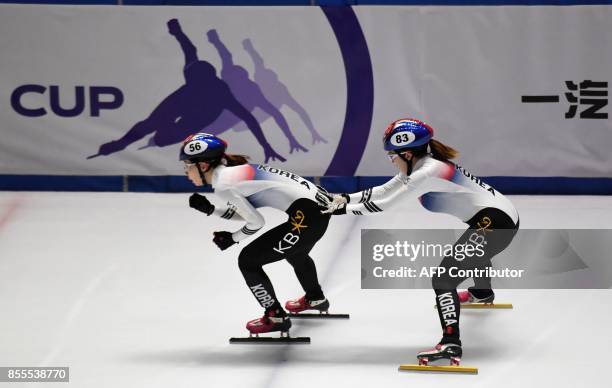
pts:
pixel 340 209
pixel 201 203
pixel 338 205
pixel 223 240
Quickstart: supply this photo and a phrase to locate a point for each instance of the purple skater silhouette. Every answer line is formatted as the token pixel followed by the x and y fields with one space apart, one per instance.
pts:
pixel 248 93
pixel 190 108
pixel 276 92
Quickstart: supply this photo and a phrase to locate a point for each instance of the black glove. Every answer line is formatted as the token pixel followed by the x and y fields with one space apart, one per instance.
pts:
pixel 201 203
pixel 223 240
pixel 340 210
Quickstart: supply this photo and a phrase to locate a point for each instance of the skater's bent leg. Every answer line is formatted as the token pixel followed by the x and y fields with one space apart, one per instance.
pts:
pixel 306 272
pixel 296 107
pixel 447 301
pixel 306 214
pixel 259 283
pixel 481 234
pixel 270 109
pixel 493 230
pixel 175 132
pixel 252 259
pixel 482 284
pixel 161 119
pixel 137 132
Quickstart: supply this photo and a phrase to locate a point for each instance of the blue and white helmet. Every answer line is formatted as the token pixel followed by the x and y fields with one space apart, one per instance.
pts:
pixel 202 147
pixel 405 134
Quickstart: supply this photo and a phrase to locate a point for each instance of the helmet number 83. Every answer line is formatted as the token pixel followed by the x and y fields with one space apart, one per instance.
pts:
pixel 402 138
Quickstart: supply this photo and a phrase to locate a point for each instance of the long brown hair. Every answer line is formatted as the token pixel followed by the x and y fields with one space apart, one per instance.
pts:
pixel 441 151
pixel 235 160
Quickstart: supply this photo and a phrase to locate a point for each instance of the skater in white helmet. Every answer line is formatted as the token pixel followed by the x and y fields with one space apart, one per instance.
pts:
pixel 426 173
pixel 245 187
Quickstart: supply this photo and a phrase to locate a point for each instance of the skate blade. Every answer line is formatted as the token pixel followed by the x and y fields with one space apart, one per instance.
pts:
pixel 93 156
pixel 439 368
pixel 484 306
pixel 318 316
pixel 270 340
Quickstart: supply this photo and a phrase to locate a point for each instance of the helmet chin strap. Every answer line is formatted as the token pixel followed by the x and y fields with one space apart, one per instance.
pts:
pixel 408 161
pixel 201 172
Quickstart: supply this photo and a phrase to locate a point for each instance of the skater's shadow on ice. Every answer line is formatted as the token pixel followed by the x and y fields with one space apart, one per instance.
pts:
pixel 267 355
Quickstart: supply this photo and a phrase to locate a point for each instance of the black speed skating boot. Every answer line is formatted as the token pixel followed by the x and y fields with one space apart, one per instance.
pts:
pixel 450 351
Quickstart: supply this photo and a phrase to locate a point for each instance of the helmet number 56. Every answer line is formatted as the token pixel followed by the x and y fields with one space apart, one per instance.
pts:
pixel 195 147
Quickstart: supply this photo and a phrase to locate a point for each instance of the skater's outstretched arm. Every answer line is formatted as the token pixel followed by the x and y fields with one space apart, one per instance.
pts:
pixel 257 59
pixel 378 192
pixel 189 50
pixel 379 198
pixel 224 53
pixel 242 113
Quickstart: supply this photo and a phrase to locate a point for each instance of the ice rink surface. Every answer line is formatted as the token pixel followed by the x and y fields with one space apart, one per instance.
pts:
pixel 128 290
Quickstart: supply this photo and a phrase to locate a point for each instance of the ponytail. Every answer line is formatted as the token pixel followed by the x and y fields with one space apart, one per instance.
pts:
pixel 235 160
pixel 441 151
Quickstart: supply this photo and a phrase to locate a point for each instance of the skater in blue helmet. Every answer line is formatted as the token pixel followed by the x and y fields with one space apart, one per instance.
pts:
pixel 426 173
pixel 244 188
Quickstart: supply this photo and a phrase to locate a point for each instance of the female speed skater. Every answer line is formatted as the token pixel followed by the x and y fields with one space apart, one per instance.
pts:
pixel 426 172
pixel 246 187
